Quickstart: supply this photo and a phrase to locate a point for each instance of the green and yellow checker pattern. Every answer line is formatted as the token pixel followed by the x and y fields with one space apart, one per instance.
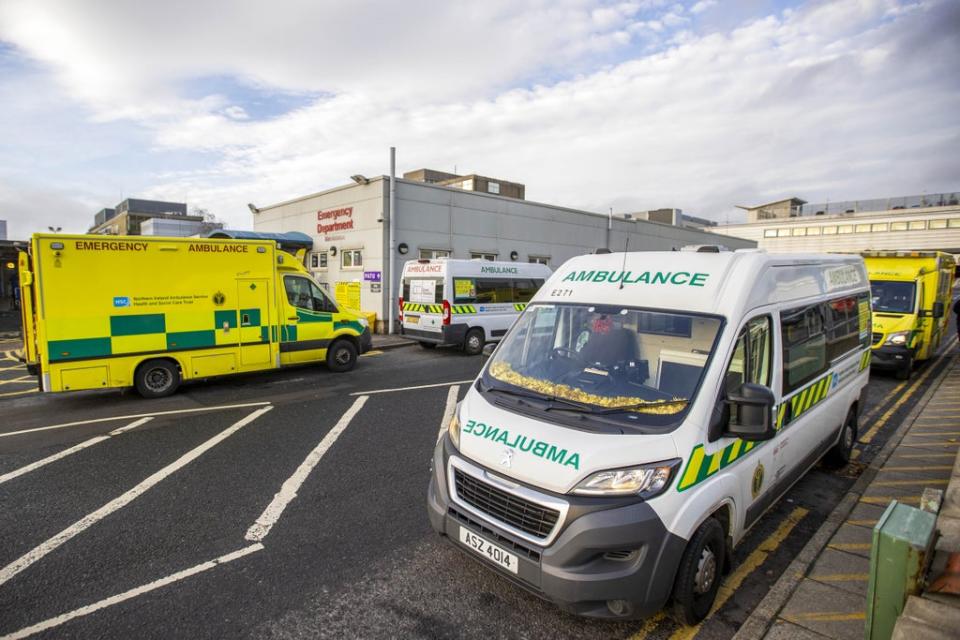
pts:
pixel 519 306
pixel 702 465
pixel 865 359
pixel 127 334
pixel 438 308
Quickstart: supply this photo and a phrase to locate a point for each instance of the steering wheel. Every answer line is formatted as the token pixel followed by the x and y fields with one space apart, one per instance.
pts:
pixel 569 354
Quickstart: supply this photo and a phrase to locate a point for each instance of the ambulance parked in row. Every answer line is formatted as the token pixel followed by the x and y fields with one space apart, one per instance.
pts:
pixel 101 312
pixel 643 413
pixel 912 293
pixel 465 303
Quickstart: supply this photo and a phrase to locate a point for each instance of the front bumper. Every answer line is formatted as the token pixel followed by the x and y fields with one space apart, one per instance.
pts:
pixel 607 550
pixel 889 357
pixel 366 340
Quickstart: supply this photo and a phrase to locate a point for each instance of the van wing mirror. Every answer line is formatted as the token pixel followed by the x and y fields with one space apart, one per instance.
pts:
pixel 751 412
pixel 938 309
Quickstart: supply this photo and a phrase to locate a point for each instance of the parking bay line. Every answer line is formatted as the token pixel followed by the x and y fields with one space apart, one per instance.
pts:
pixel 419 386
pixel 123 500
pixel 70 451
pixel 132 593
pixel 288 490
pixel 448 409
pixel 78 423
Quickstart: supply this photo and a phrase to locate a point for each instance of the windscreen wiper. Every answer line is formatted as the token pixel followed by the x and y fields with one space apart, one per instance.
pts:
pixel 636 405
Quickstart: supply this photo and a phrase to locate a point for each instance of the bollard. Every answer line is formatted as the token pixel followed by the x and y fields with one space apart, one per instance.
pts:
pixel 899 556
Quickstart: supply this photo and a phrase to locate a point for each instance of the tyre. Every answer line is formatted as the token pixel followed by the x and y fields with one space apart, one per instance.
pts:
pixel 156 378
pixel 903 373
pixel 698 576
pixel 428 345
pixel 841 452
pixel 341 356
pixel 473 342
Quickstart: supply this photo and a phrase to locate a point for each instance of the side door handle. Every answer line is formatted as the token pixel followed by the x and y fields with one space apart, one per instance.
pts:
pixel 292 319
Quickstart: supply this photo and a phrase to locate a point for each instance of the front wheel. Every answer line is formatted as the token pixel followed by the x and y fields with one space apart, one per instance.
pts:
pixel 698 577
pixel 341 356
pixel 156 378
pixel 473 342
pixel 903 373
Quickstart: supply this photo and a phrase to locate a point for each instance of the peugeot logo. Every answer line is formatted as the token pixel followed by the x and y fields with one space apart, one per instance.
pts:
pixel 507 458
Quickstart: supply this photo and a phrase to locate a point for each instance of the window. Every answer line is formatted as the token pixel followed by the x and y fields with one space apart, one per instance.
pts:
pixel 782 233
pixel 938 224
pixel 495 290
pixel 423 290
pixel 898 226
pixel 769 233
pixel 493 187
pixel 800 231
pixel 842 326
pixel 845 228
pixel 953 223
pixel 467 185
pixel 829 231
pixel 303 293
pixel 433 254
pixel 318 260
pixel 917 225
pixel 483 256
pixel 813 231
pixel 804 346
pixel 751 356
pixel 880 226
pixel 351 258
pixel 539 260
pixel 863 228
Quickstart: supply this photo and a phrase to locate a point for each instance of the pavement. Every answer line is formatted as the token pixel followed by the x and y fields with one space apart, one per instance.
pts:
pixel 823 594
pixel 290 504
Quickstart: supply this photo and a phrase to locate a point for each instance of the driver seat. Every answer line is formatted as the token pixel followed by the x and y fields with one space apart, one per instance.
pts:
pixel 619 345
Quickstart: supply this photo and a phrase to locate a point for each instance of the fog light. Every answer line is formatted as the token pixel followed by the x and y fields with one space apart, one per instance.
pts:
pixel 619 607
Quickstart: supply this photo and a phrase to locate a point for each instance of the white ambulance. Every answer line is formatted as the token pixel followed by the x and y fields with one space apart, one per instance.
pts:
pixel 466 303
pixel 643 413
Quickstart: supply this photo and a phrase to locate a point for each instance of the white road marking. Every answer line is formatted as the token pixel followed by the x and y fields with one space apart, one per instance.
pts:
pixel 420 386
pixel 449 409
pixel 66 452
pixel 132 593
pixel 223 407
pixel 123 500
pixel 288 491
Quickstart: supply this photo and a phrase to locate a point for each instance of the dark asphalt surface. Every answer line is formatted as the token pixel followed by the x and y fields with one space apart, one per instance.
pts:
pixel 353 555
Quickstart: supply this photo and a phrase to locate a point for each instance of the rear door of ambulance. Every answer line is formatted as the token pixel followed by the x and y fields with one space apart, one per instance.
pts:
pixel 28 313
pixel 423 295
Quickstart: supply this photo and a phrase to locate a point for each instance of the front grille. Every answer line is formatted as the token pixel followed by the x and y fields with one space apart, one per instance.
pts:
pixel 529 517
pixel 877 337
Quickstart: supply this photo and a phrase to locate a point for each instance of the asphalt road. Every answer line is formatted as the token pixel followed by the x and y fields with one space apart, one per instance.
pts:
pixel 152 525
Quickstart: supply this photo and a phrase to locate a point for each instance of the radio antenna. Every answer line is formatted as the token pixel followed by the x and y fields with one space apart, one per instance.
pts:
pixel 626 245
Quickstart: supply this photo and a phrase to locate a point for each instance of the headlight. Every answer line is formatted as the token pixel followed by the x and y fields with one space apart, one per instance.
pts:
pixel 453 429
pixel 898 338
pixel 646 480
pixel 363 322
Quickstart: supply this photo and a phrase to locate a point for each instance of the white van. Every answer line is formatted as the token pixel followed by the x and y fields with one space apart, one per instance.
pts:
pixel 642 414
pixel 466 303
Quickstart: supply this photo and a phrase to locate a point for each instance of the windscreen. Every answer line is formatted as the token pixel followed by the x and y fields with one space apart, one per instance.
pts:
pixel 890 296
pixel 608 360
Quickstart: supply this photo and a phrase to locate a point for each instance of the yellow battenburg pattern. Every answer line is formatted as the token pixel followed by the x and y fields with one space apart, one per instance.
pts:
pixel 438 308
pixel 702 465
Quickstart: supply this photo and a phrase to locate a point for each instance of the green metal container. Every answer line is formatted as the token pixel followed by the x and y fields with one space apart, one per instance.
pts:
pixel 902 547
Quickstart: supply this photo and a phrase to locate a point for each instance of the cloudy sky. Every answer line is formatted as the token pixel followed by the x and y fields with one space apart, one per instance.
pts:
pixel 636 104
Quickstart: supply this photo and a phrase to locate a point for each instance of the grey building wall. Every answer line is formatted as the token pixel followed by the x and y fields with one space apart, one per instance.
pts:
pixel 3 229
pixel 443 218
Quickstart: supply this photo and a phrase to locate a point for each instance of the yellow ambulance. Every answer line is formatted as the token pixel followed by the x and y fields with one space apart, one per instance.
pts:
pixel 120 311
pixel 911 292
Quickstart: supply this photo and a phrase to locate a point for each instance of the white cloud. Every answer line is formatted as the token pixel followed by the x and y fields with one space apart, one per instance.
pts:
pixel 702 6
pixel 843 100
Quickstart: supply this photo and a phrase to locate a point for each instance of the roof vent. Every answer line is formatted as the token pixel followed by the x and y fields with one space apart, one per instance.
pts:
pixel 705 248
